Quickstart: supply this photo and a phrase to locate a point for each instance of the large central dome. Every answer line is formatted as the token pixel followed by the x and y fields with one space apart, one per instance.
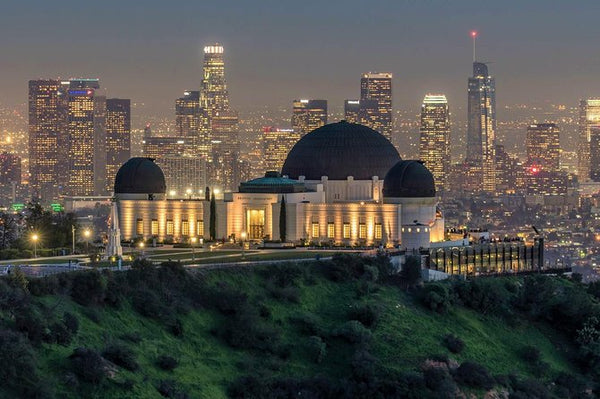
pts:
pixel 339 150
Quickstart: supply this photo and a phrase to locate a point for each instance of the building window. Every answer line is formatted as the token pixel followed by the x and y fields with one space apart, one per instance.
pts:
pixel 170 228
pixel 200 228
pixel 362 231
pixel 139 227
pixel 418 229
pixel 315 230
pixel 378 231
pixel 346 230
pixel 330 230
pixel 154 227
pixel 185 228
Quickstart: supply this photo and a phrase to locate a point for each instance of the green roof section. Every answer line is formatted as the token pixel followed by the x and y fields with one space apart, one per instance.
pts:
pixel 272 183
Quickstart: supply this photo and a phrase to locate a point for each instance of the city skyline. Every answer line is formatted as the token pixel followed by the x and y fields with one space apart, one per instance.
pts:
pixel 390 39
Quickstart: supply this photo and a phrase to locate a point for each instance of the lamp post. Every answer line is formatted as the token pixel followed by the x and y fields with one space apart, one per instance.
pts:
pixel 189 193
pixel 194 239
pixel 35 239
pixel 142 248
pixel 243 236
pixel 73 232
pixel 87 233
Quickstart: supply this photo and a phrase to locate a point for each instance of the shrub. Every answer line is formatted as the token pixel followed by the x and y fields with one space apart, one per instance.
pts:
pixel 169 389
pixel 437 297
pixel 60 334
pixel 411 270
pixel 528 388
pixel 453 343
pixel 89 365
pixel 367 314
pixel 316 349
pixel 474 375
pixel 439 381
pixel 88 287
pixel 71 322
pixel 530 354
pixel 29 321
pixel 122 356
pixel 19 368
pixel 133 337
pixel 167 363
pixel 353 332
pixel 308 323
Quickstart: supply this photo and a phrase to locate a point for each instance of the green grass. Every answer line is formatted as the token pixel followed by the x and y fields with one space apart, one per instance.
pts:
pixel 404 336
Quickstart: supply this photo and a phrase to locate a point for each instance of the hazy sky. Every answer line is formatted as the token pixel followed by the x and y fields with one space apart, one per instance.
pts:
pixel 277 50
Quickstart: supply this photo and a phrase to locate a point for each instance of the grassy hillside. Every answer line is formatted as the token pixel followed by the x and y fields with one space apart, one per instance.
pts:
pixel 281 330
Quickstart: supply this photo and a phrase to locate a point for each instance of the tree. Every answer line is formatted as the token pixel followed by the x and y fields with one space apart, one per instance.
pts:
pixel 411 270
pixel 282 221
pixel 213 217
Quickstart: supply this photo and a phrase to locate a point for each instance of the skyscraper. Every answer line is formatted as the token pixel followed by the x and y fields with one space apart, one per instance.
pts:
pixel 213 94
pixel 118 137
pixel 543 146
pixel 434 148
pixel 308 115
pixel 47 131
pixel 352 111
pixel 595 153
pixel 277 143
pixel 86 138
pixel 481 126
pixel 589 115
pixel 378 87
pixel 186 114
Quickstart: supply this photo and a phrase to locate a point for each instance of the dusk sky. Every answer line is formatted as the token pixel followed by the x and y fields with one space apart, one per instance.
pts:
pixel 277 50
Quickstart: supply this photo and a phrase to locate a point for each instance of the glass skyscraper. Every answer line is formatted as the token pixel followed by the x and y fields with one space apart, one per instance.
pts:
pixel 434 145
pixel 377 87
pixel 589 116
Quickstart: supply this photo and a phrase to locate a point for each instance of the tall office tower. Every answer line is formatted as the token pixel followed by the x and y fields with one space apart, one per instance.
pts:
pixel 595 153
pixel 589 115
pixel 47 131
pixel 434 148
pixel 214 95
pixel 86 121
pixel 481 126
pixel 506 171
pixel 187 109
pixel 277 143
pixel 162 146
pixel 184 176
pixel 308 115
pixel 352 111
pixel 543 146
pixel 118 137
pixel 225 150
pixel 378 87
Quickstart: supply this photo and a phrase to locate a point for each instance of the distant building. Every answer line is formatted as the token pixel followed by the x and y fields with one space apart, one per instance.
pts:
pixel 193 122
pixel 86 127
pixel 158 147
pixel 589 115
pixel 434 145
pixel 506 171
pixel 47 137
pixel 595 153
pixel 277 143
pixel 10 169
pixel 308 115
pixel 352 111
pixel 481 127
pixel 213 94
pixel 118 137
pixel 543 146
pixel 185 176
pixel 377 87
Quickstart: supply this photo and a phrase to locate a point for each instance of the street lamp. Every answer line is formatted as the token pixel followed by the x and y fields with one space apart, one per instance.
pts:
pixel 243 236
pixel 194 239
pixel 189 193
pixel 142 248
pixel 35 239
pixel 87 233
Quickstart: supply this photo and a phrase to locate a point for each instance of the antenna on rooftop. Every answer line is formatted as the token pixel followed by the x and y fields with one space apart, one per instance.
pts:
pixel 474 36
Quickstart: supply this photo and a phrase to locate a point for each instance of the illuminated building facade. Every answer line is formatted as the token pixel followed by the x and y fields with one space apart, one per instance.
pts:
pixel 277 143
pixel 118 137
pixel 184 176
pixel 47 137
pixel 213 93
pixel 10 169
pixel 159 147
pixel 308 115
pixel 481 127
pixel 333 194
pixel 352 111
pixel 595 153
pixel 506 170
pixel 193 123
pixel 434 145
pixel 543 146
pixel 86 127
pixel 225 151
pixel 377 87
pixel 589 115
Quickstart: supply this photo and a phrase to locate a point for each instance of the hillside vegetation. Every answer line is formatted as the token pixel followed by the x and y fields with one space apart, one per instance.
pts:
pixel 333 329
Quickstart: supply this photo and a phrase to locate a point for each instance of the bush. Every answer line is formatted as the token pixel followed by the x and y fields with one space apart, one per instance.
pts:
pixel 60 334
pixel 436 297
pixel 411 270
pixel 367 314
pixel 528 388
pixel 439 381
pixel 133 337
pixel 169 389
pixel 71 322
pixel 88 365
pixel 29 321
pixel 308 323
pixel 453 343
pixel 353 332
pixel 88 287
pixel 530 354
pixel 19 368
pixel 474 375
pixel 316 349
pixel 122 356
pixel 167 363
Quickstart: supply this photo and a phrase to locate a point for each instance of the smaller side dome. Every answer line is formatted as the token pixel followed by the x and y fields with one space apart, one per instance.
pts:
pixel 140 176
pixel 408 179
